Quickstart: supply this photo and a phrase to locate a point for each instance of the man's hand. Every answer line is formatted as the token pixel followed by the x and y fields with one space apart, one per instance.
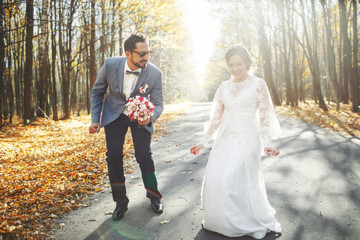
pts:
pixel 94 128
pixel 271 152
pixel 195 149
pixel 146 122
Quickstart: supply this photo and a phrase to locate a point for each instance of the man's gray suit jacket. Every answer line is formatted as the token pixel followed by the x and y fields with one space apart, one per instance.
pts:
pixel 110 83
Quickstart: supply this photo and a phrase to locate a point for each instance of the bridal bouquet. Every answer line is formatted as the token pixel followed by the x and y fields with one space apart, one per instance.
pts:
pixel 139 108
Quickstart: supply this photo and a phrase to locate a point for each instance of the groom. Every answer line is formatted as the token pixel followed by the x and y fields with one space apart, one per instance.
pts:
pixel 121 78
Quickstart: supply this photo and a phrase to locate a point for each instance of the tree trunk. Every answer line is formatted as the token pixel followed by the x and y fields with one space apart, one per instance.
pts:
pixel 18 72
pixel 2 61
pixel 266 55
pixel 121 35
pixel 315 61
pixel 62 56
pixel 66 56
pixel 74 91
pixel 16 84
pixel 103 37
pixel 277 73
pixel 294 59
pixel 92 46
pixel 69 61
pixel 355 77
pixel 346 51
pixel 286 68
pixel 28 74
pixel 331 56
pixel 87 67
pixel 53 57
pixel 112 37
pixel 88 83
pixel 43 61
pixel 49 88
pixel 10 91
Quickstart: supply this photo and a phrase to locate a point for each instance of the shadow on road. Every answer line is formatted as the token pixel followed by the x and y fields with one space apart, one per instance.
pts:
pixel 208 235
pixel 127 228
pixel 120 230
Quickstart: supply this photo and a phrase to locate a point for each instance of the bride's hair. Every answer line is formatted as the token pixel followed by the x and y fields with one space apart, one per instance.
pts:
pixel 240 50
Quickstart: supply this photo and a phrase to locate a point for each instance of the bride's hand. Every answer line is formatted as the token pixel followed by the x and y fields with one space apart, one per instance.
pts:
pixel 195 149
pixel 271 152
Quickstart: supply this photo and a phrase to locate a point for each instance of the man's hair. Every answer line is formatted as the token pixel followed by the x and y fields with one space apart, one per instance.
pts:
pixel 130 42
pixel 241 51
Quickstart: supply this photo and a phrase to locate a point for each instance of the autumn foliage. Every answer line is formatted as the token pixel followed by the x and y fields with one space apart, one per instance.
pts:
pixel 47 168
pixel 343 121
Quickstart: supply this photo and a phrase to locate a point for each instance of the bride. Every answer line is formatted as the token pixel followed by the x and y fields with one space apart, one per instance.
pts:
pixel 233 193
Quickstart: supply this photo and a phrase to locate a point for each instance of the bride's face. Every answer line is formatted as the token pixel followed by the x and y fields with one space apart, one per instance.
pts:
pixel 238 67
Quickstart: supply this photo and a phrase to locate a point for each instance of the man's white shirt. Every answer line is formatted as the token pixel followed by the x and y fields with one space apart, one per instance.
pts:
pixel 129 82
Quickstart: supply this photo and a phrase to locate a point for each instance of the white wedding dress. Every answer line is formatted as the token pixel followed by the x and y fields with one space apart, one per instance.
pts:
pixel 233 193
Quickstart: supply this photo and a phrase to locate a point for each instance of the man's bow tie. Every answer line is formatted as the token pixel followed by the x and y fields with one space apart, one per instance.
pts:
pixel 131 72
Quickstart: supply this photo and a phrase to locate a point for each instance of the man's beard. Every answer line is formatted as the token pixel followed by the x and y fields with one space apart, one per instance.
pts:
pixel 140 65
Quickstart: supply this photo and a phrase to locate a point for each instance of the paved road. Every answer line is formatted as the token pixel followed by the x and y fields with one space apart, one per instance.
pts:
pixel 313 185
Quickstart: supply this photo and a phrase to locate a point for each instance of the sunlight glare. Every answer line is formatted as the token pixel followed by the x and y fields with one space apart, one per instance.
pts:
pixel 203 29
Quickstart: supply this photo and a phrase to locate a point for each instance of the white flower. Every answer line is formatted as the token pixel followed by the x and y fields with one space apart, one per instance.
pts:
pixel 143 88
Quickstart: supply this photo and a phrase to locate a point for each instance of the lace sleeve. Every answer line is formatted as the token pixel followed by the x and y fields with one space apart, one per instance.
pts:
pixel 216 114
pixel 269 125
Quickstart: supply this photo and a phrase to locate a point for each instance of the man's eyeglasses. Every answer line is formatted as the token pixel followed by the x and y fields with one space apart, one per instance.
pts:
pixel 142 54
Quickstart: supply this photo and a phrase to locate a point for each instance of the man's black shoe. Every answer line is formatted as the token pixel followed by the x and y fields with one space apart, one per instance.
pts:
pixel 157 205
pixel 119 211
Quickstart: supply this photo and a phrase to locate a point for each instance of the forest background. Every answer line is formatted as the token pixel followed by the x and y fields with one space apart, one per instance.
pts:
pixel 51 51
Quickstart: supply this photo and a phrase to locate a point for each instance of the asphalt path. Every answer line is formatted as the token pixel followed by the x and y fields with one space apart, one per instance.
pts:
pixel 313 185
